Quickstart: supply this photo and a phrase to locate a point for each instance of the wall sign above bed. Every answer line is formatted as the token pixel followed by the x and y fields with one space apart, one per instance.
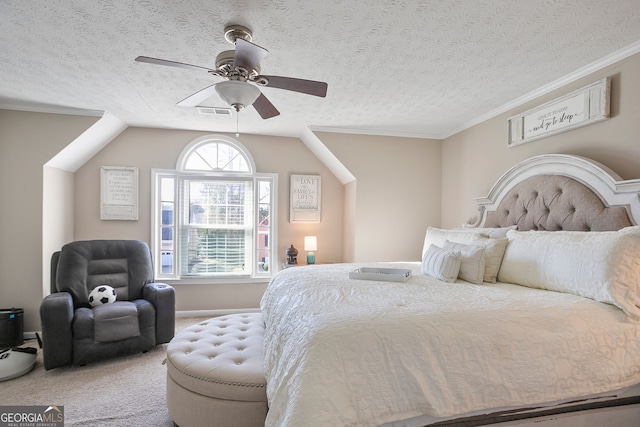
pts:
pixel 589 104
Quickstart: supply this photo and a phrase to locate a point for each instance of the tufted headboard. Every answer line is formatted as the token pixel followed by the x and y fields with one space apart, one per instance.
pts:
pixel 561 192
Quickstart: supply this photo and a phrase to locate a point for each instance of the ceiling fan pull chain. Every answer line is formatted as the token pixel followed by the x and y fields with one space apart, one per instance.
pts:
pixel 237 130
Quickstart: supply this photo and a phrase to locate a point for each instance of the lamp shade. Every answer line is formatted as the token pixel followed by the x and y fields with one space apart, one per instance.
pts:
pixel 237 94
pixel 310 243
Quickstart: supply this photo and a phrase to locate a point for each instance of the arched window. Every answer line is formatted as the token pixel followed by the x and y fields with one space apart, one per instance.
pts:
pixel 219 154
pixel 214 215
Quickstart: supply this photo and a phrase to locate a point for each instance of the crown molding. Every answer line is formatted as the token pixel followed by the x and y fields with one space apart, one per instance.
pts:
pixel 373 132
pixel 610 59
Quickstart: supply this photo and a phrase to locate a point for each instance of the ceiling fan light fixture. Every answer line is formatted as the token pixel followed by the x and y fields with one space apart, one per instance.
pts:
pixel 237 94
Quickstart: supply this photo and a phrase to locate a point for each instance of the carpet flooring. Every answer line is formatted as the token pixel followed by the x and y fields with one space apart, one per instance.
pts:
pixel 126 391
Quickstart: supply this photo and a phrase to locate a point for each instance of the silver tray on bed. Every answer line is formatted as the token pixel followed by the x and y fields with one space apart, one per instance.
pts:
pixel 382 274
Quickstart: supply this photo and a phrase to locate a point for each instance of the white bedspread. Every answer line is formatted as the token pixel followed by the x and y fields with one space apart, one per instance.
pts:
pixel 343 352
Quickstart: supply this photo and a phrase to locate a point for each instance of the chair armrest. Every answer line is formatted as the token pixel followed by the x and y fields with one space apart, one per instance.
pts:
pixel 56 317
pixel 163 298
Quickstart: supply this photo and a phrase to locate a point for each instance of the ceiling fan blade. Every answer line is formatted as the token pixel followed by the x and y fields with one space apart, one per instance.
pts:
pixel 265 108
pixel 310 87
pixel 198 97
pixel 248 55
pixel 172 64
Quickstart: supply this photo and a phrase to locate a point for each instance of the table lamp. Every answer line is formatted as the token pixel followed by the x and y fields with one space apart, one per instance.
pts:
pixel 310 245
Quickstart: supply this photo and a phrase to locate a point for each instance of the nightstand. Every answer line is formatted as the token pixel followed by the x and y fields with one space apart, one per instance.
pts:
pixel 285 265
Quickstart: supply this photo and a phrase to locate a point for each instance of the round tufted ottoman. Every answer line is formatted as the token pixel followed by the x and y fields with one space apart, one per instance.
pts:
pixel 215 374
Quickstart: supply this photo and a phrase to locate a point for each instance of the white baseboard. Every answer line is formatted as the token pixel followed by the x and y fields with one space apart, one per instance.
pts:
pixel 31 335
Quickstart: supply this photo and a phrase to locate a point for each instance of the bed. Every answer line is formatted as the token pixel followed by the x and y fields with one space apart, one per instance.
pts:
pixel 530 310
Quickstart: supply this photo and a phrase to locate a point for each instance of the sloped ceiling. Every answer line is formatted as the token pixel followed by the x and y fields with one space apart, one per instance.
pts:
pixel 423 68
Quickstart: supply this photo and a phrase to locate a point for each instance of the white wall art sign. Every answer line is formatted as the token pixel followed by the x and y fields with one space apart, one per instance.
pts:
pixel 581 107
pixel 118 193
pixel 305 200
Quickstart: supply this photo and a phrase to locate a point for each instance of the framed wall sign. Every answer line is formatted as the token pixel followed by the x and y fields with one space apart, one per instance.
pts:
pixel 304 203
pixel 581 107
pixel 118 193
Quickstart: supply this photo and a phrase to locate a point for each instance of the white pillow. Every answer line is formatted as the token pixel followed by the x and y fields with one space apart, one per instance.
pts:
pixel 493 248
pixel 493 253
pixel 441 264
pixel 471 261
pixel 437 236
pixel 495 233
pixel 604 266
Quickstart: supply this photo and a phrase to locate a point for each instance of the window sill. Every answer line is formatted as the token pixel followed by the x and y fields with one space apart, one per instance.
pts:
pixel 214 281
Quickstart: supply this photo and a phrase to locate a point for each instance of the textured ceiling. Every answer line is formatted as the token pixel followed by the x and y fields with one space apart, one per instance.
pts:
pixel 418 68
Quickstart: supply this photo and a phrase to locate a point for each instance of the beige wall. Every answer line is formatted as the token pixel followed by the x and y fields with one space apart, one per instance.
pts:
pixel 160 148
pixel 379 224
pixel 474 159
pixel 349 222
pixel 397 193
pixel 394 167
pixel 27 142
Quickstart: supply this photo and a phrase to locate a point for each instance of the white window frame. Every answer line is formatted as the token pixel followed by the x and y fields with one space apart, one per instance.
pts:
pixel 259 271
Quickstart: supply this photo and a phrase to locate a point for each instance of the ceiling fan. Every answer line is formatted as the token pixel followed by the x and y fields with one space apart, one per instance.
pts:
pixel 241 69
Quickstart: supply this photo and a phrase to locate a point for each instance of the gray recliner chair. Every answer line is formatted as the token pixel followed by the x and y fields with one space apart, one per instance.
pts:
pixel 143 315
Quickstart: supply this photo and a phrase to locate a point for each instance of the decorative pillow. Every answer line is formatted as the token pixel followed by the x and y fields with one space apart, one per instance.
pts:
pixel 102 294
pixel 493 248
pixel 471 261
pixel 437 236
pixel 493 253
pixel 604 266
pixel 441 264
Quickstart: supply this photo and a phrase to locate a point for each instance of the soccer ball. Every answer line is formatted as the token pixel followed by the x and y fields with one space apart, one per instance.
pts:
pixel 102 294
